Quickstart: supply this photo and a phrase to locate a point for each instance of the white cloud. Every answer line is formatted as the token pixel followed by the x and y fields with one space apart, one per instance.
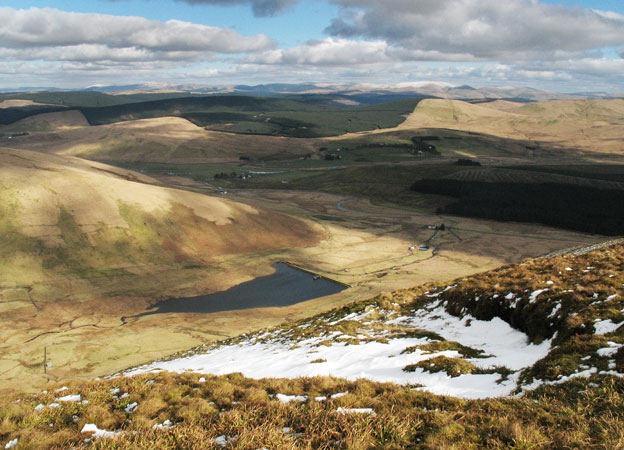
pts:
pixel 587 66
pixel 479 42
pixel 326 52
pixel 50 28
pixel 510 30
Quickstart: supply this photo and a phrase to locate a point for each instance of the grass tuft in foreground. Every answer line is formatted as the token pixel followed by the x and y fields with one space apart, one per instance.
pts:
pixel 185 411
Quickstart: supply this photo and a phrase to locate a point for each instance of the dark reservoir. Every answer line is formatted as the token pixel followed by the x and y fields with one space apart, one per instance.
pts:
pixel 287 286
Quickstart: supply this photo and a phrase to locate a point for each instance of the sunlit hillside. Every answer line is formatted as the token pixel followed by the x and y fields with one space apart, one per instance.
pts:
pixel 91 225
pixel 590 125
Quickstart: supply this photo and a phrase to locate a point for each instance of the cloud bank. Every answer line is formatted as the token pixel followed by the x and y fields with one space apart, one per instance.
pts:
pixel 458 41
pixel 52 34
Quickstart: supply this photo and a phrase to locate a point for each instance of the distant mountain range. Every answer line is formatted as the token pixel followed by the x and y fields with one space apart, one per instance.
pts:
pixel 357 93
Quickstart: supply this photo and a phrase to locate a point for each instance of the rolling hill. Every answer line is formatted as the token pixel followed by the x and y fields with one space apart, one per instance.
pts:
pixel 68 220
pixel 159 140
pixel 589 125
pixel 304 117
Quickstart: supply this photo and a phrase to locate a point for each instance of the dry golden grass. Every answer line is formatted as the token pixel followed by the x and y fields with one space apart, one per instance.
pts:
pixel 17 103
pixel 566 126
pixel 37 187
pixel 589 125
pixel 244 414
pixel 165 139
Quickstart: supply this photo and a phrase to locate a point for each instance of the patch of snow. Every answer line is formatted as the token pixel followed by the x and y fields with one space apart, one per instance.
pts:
pixel 606 326
pixel 124 395
pixel 69 398
pixel 338 395
pixel 202 380
pixel 320 398
pixel 115 391
pixel 569 269
pixel 356 411
pixel 54 405
pixel 12 444
pixel 39 407
pixel 64 388
pixel 609 351
pixel 223 440
pixel 131 407
pixel 166 425
pixel 377 361
pixel 97 433
pixel 585 374
pixel 510 296
pixel 611 297
pixel 291 398
pixel 352 316
pixel 555 310
pixel 535 294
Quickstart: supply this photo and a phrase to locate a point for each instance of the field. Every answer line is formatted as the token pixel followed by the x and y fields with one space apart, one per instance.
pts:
pixel 164 140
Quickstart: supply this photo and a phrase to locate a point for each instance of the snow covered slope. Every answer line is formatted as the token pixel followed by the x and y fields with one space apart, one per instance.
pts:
pixel 384 346
pixel 567 315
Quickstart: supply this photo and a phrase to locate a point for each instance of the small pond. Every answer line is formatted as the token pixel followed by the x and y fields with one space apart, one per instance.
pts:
pixel 287 286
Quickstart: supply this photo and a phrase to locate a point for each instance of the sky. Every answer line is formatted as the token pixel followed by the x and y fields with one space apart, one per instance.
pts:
pixel 556 45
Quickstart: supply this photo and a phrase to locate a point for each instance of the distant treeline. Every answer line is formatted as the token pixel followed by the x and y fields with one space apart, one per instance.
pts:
pixel 591 210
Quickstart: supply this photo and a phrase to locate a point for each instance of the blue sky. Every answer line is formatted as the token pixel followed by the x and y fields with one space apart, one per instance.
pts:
pixel 561 45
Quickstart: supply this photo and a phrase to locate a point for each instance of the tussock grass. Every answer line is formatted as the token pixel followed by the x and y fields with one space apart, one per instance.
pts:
pixel 578 414
pixel 441 346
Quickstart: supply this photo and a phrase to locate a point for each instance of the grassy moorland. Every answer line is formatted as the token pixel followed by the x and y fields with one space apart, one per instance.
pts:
pixel 572 398
pixel 236 114
pixel 264 116
pixel 182 412
pixel 588 125
pixel 88 99
pixel 47 102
